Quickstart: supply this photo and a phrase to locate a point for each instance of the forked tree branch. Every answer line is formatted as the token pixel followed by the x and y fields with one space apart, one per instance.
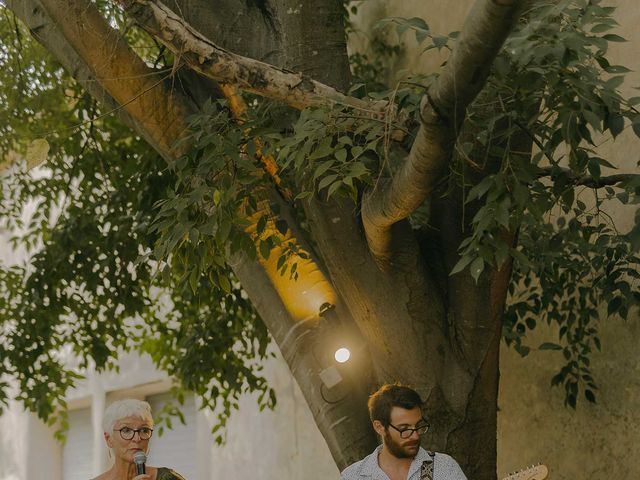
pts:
pixel 442 111
pixel 254 76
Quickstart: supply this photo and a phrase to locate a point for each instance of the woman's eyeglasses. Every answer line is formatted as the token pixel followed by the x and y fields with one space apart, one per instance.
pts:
pixel 127 433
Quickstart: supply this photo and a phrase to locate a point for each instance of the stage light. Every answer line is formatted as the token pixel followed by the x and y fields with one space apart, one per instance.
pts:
pixel 342 355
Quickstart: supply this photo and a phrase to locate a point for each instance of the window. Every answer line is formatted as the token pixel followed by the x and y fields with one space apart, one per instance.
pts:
pixel 77 455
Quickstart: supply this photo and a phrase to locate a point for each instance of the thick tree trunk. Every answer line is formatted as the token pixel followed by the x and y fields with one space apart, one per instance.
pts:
pixel 411 322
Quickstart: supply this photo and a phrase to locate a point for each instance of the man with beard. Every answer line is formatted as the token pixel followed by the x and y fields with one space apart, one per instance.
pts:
pixel 396 415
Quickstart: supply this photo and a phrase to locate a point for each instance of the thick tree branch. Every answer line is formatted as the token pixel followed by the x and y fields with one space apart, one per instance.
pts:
pixel 45 31
pixel 442 111
pixel 162 109
pixel 203 56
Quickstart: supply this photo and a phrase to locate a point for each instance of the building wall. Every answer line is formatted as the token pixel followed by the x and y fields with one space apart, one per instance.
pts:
pixel 271 445
pixel 598 441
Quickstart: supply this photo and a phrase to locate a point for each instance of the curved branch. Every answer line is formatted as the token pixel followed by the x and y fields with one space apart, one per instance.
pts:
pixel 212 61
pixel 442 110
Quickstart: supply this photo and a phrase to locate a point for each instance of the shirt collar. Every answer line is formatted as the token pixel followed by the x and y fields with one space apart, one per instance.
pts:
pixel 421 456
pixel 370 468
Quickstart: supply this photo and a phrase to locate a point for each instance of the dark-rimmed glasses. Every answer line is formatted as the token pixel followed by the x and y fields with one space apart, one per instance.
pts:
pixel 127 433
pixel 406 432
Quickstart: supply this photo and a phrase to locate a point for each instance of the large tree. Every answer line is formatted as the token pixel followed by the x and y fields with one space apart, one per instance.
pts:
pixel 291 195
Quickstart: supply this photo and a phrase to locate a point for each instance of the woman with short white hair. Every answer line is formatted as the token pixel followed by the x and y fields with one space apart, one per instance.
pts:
pixel 128 426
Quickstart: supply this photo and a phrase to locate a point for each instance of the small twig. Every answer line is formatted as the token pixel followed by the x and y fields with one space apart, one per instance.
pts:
pixel 116 109
pixel 587 180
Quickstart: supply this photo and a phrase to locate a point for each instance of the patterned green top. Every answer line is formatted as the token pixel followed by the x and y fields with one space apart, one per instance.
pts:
pixel 168 474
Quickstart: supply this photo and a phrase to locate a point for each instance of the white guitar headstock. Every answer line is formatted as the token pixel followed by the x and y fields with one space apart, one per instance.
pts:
pixel 537 472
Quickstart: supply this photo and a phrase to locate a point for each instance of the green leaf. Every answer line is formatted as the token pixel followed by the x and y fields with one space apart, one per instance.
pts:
pixel 549 346
pixel 480 189
pixel 461 264
pixel 262 223
pixel 617 69
pixel 194 279
pixel 590 396
pixel 333 188
pixel 282 226
pixel 612 37
pixel 476 268
pixel 594 120
pixel 224 228
pixel 616 124
pixel 614 305
pixel 225 284
pixel 615 82
pixel 322 168
pixel 303 195
pixel 418 23
pixel 265 249
pixel 440 41
pixel 324 149
pixel 341 155
pixel 326 181
pixel 602 27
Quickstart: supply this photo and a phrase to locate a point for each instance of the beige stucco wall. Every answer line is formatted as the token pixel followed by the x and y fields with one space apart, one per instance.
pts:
pixel 601 441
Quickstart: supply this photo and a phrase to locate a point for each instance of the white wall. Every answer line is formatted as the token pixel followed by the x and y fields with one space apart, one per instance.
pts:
pixel 283 444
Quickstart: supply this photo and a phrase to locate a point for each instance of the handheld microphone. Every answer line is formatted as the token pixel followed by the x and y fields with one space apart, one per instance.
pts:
pixel 139 459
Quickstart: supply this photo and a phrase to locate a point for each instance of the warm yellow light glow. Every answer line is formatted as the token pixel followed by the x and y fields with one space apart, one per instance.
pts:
pixel 302 296
pixel 342 355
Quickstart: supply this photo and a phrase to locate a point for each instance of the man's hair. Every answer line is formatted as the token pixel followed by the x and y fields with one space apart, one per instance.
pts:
pixel 389 396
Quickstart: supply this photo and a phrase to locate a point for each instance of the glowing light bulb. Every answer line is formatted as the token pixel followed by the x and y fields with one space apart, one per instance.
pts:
pixel 342 355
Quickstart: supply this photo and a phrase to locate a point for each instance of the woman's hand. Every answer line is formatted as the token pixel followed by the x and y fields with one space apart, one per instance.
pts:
pixel 144 476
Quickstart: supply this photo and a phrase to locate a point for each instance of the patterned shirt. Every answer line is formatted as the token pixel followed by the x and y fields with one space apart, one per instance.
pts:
pixel 444 468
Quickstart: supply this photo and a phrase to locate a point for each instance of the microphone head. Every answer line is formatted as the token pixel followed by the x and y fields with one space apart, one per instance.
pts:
pixel 140 458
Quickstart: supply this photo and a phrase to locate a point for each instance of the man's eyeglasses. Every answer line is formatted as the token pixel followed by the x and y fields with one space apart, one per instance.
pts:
pixel 128 433
pixel 406 432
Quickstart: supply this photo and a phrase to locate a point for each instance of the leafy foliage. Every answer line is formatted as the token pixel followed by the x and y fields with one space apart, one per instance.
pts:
pixel 557 92
pixel 90 289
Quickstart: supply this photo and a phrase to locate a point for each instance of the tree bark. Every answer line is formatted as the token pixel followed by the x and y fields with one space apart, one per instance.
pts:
pixel 410 321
